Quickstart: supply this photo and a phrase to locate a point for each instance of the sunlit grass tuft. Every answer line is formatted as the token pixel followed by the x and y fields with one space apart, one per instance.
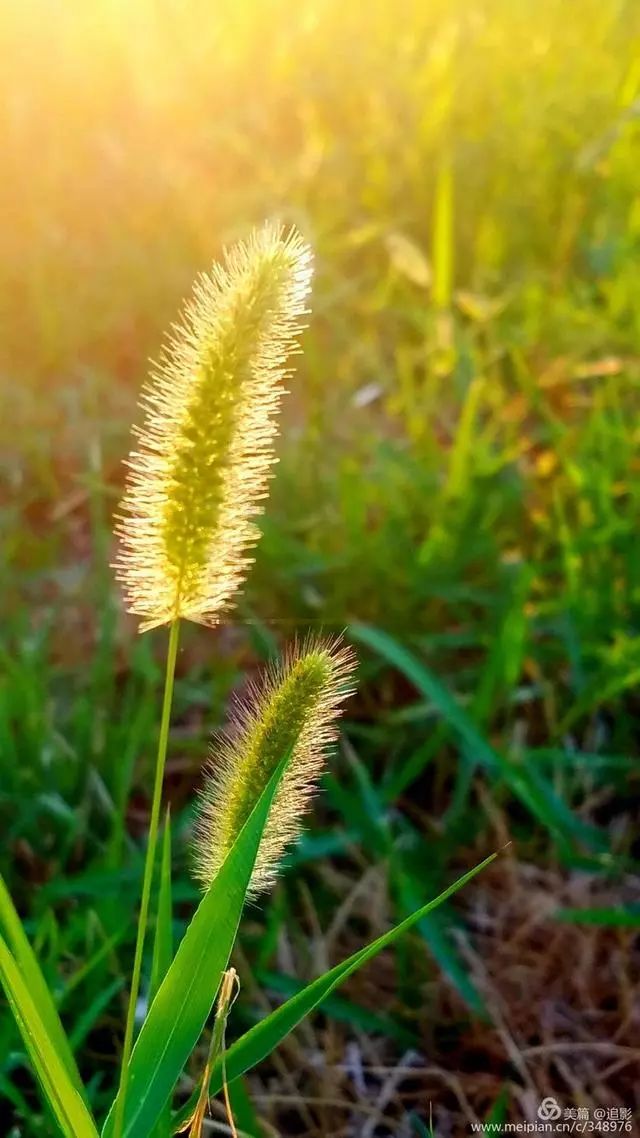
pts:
pixel 294 710
pixel 206 445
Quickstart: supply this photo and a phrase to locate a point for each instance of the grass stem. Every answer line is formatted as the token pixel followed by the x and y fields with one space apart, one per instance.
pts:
pixel 172 653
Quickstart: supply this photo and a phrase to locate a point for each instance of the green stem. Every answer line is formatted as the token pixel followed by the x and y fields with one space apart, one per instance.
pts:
pixel 172 653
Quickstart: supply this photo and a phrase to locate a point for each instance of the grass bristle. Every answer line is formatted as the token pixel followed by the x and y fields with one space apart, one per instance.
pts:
pixel 292 711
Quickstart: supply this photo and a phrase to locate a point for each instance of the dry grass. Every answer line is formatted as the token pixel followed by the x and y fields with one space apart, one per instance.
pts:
pixel 562 1000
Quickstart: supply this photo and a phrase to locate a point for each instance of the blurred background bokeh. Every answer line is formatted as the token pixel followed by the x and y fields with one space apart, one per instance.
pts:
pixel 458 487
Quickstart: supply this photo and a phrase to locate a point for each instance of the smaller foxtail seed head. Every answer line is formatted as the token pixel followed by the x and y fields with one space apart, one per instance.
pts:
pixel 294 711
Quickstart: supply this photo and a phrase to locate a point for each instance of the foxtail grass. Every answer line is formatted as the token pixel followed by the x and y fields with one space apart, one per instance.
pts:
pixel 200 473
pixel 187 527
pixel 205 448
pixel 292 711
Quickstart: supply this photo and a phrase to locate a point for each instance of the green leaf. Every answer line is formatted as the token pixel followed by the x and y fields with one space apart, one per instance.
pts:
pixel 527 784
pixel 90 1016
pixel 366 809
pixel 419 1128
pixel 261 1040
pixel 436 932
pixel 343 1010
pixel 179 1012
pixel 625 917
pixel 429 685
pixel 66 1102
pixel 498 1113
pixel 26 961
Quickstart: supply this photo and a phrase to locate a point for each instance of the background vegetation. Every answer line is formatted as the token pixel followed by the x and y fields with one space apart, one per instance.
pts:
pixel 459 487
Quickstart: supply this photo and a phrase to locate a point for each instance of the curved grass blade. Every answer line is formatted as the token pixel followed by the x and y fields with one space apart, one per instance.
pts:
pixel 436 932
pixel 27 963
pixel 91 1014
pixel 528 785
pixel 625 917
pixel 418 1128
pixel 261 1040
pixel 66 1102
pixel 179 1012
pixel 345 1011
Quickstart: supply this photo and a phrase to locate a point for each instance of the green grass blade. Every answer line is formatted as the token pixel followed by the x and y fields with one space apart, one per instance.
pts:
pixel 66 1102
pixel 90 1016
pixel 497 1116
pixel 366 810
pixel 345 1011
pixel 261 1040
pixel 436 934
pixel 419 1129
pixel 179 1012
pixel 527 784
pixel 626 917
pixel 425 682
pixel 26 961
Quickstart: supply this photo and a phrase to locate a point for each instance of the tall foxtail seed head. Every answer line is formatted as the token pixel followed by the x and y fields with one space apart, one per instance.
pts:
pixel 205 447
pixel 293 711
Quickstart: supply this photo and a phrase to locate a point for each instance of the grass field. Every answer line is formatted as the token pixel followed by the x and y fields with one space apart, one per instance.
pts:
pixel 458 488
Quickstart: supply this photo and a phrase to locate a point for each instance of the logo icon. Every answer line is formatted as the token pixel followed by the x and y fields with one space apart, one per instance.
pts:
pixel 549 1111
